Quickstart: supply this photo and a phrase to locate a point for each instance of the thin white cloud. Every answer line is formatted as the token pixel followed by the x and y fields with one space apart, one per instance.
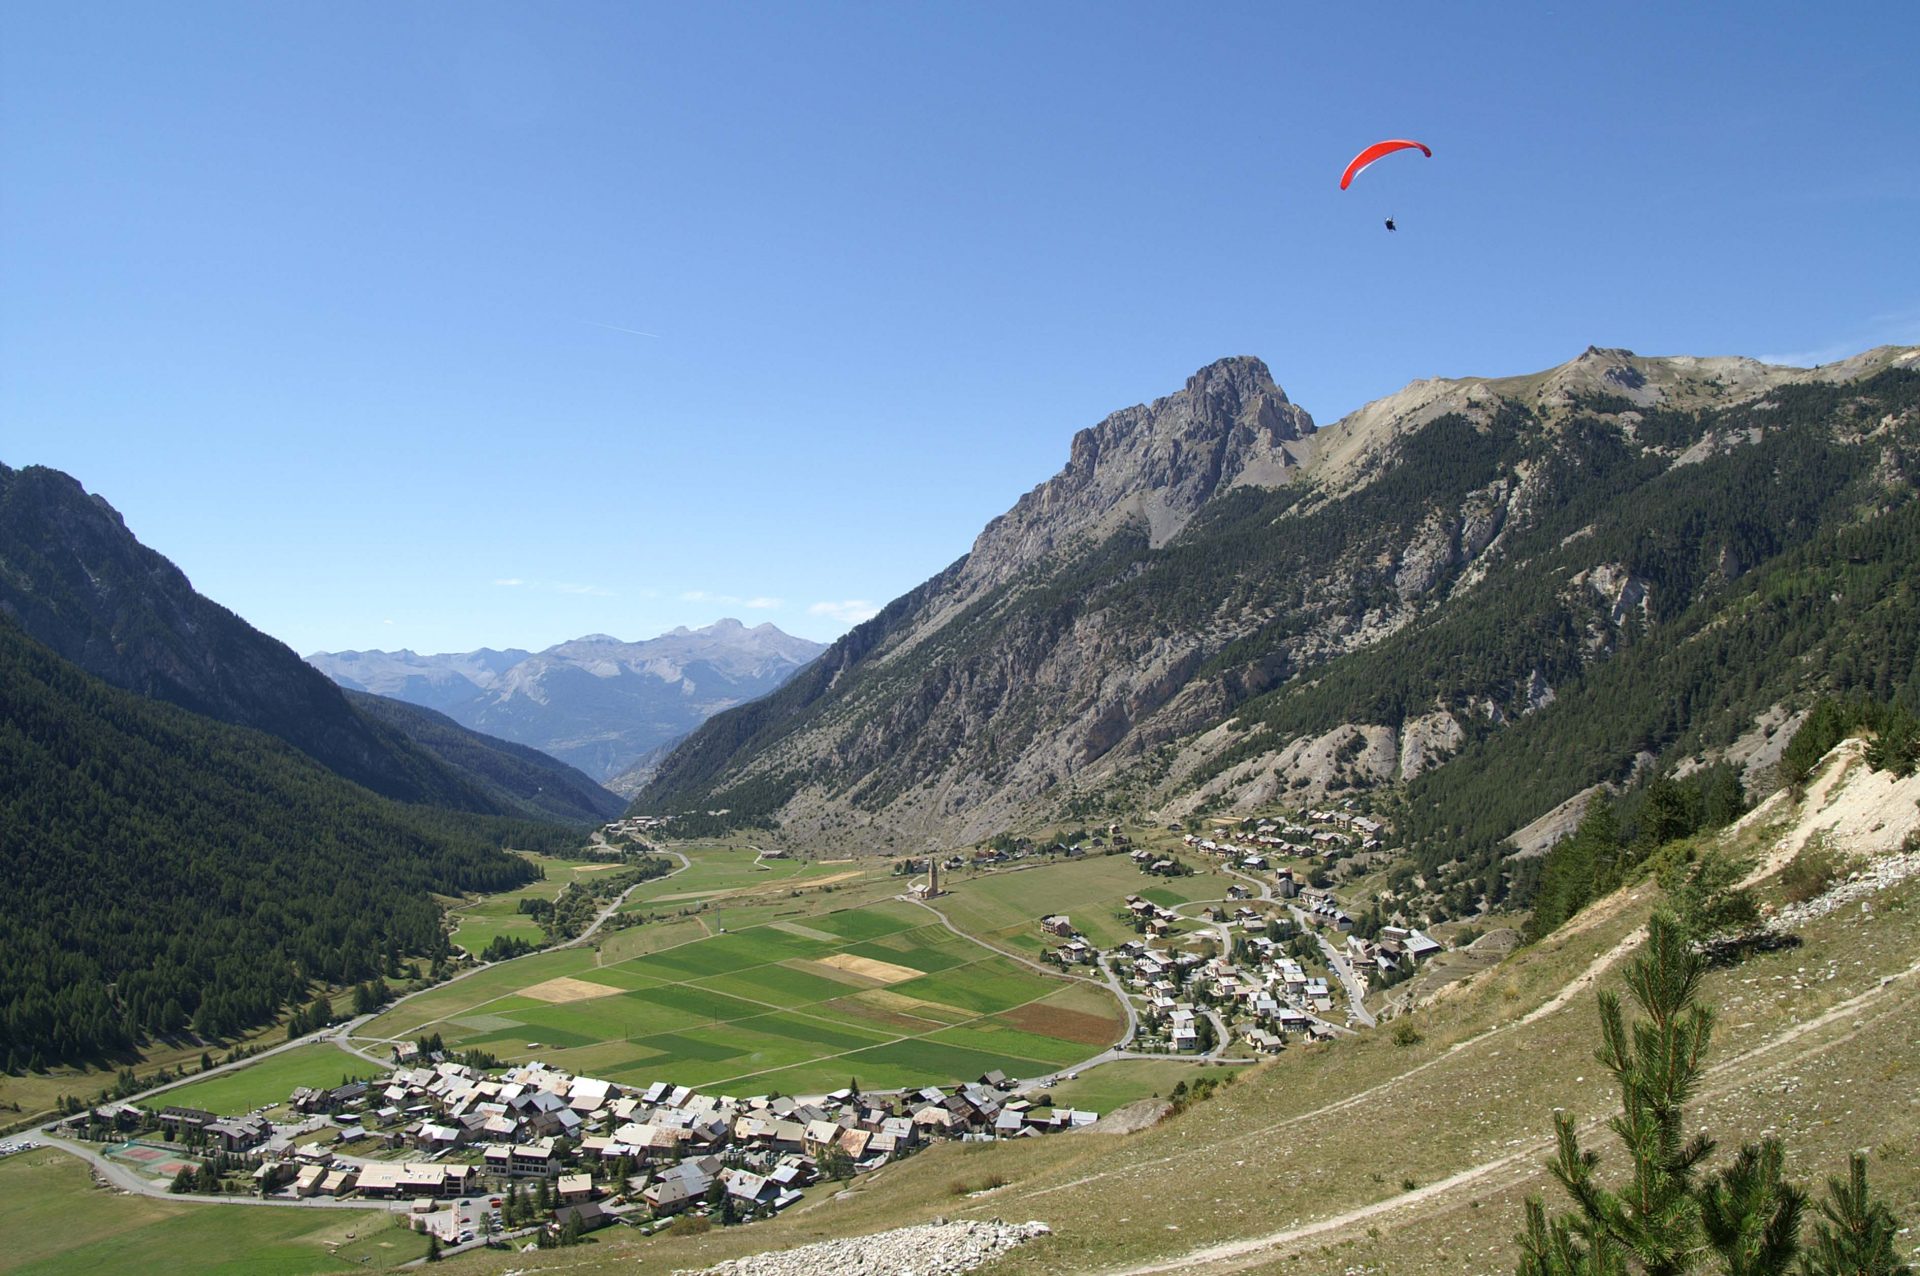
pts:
pixel 1810 358
pixel 557 587
pixel 849 611
pixel 1893 328
pixel 614 327
pixel 760 602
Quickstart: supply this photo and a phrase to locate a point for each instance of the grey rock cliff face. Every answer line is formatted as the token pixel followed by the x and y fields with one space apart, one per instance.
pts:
pixel 1101 636
pixel 1159 462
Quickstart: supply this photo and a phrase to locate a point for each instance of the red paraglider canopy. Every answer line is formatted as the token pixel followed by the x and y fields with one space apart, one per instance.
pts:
pixel 1375 152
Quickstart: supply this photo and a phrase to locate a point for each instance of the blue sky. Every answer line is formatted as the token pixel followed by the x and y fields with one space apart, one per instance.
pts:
pixel 342 305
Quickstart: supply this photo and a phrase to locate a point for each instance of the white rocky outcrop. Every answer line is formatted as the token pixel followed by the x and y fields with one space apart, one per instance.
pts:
pixel 932 1249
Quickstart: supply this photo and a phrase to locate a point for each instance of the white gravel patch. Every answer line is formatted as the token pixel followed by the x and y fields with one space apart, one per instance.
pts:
pixel 1874 877
pixel 931 1249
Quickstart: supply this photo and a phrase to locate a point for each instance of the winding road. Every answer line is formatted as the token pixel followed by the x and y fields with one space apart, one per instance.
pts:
pixel 338 1035
pixel 1356 994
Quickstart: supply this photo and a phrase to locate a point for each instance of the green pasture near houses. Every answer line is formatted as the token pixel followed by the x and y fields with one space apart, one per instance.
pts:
pixel 267 1082
pixel 1005 906
pixel 54 1222
pixel 1116 1084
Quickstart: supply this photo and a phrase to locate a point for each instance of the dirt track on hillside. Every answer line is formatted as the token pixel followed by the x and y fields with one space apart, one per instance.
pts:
pixel 1522 1163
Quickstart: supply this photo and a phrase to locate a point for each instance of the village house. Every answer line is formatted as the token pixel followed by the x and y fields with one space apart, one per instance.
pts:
pixel 241 1134
pixel 588 1216
pixel 382 1181
pixel 535 1159
pixel 177 1122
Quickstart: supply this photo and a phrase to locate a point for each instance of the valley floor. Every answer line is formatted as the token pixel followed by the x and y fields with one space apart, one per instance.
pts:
pixel 1367 1156
pixel 1382 1153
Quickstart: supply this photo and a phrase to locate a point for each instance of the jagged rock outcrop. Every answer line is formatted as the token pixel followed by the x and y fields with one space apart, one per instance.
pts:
pixel 1231 426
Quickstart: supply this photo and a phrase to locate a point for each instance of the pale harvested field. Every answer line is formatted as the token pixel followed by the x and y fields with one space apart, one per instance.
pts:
pixel 883 971
pixel 566 988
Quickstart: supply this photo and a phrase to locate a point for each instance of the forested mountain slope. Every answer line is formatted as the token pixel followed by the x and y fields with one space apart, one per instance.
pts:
pixel 538 786
pixel 166 870
pixel 1215 604
pixel 74 577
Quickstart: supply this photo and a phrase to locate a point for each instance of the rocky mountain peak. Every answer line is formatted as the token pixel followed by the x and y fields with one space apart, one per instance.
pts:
pixel 1157 463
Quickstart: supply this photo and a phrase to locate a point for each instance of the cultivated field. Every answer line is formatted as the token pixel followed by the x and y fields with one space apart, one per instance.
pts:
pixel 878 991
pixel 500 914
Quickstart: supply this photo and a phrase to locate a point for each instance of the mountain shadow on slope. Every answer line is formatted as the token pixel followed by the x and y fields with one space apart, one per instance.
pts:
pixel 73 577
pixel 170 873
pixel 537 786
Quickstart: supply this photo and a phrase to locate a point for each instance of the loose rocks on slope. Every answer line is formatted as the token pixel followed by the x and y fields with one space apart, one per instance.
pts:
pixel 932 1249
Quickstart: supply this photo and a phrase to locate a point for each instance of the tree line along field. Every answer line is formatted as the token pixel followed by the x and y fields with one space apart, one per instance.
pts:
pixel 879 991
pixel 496 915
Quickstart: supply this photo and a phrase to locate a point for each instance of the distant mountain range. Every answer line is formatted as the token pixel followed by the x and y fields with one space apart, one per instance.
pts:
pixel 597 703
pixel 1494 592
pixel 74 578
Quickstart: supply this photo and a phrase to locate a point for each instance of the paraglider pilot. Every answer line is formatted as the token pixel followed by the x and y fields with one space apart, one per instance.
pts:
pixel 1390 225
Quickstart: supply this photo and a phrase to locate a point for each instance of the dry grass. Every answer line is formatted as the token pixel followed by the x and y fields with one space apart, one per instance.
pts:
pixel 566 988
pixel 884 972
pixel 1068 1025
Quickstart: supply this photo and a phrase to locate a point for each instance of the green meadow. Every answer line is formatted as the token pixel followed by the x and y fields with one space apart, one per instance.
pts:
pixel 800 998
pixel 495 915
pixel 55 1222
pixel 1005 907
pixel 267 1082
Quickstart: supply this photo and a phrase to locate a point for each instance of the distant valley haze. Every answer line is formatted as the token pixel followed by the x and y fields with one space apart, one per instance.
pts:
pixel 595 702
